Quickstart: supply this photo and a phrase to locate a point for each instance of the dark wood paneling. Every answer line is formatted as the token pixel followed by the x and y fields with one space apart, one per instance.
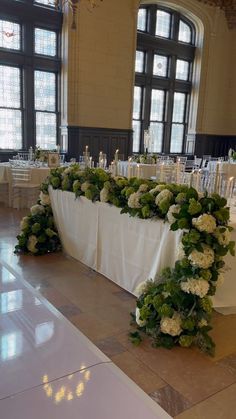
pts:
pixel 99 139
pixel 214 145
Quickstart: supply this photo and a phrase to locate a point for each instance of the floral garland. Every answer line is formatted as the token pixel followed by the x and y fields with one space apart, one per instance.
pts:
pixel 174 308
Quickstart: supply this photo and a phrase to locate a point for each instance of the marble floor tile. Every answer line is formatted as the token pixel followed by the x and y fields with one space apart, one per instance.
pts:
pixel 170 400
pixel 221 405
pixel 139 372
pixel 110 346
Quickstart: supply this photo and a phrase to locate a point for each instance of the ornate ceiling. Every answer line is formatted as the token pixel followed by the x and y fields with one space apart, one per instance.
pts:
pixel 229 7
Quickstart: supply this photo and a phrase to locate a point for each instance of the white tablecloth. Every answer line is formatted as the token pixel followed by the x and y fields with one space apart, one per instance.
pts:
pixel 38 175
pixel 144 171
pixel 126 250
pixel 229 169
pixel 225 296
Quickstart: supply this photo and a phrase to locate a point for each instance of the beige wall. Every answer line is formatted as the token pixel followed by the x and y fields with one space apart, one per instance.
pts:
pixel 101 67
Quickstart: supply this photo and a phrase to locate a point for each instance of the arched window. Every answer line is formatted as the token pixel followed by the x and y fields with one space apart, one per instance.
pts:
pixel 29 74
pixel 163 72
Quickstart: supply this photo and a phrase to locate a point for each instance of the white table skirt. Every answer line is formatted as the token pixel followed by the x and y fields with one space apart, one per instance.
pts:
pixel 125 249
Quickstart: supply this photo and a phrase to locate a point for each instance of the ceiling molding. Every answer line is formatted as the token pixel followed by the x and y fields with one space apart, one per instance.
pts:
pixel 229 7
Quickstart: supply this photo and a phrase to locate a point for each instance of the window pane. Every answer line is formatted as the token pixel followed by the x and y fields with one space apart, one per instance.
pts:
pixel 156 131
pixel 179 107
pixel 184 32
pixel 136 136
pixel 182 70
pixel 9 35
pixel 142 19
pixel 137 102
pixel 10 129
pixel 9 87
pixel 139 62
pixel 45 42
pixel 176 141
pixel 50 3
pixel 163 24
pixel 160 65
pixel 157 105
pixel 45 91
pixel 46 131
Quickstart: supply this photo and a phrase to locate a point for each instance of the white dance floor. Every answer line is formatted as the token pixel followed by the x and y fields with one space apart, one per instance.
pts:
pixel 49 369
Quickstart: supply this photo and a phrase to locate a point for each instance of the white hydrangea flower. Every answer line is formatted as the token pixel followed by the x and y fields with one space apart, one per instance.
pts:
pixel 67 171
pixel 223 238
pixel 85 186
pixel 104 195
pixel 37 209
pixel 205 222
pixel 180 254
pixel 220 280
pixel 24 223
pixel 174 209
pixel 195 286
pixel 143 188
pixel 157 188
pixel 44 198
pixel 171 325
pixel 32 241
pixel 202 323
pixel 202 259
pixel 140 322
pixel 133 201
pixel 140 289
pixel 165 193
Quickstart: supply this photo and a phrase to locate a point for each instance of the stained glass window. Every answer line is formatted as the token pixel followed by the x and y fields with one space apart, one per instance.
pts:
pixel 163 23
pixel 163 66
pixel 185 33
pixel 46 130
pixel 137 106
pixel 177 129
pixel 182 70
pixel 50 3
pixel 10 104
pixel 142 19
pixel 139 62
pixel 45 42
pixel 10 35
pixel 45 91
pixel 45 105
pixel 160 65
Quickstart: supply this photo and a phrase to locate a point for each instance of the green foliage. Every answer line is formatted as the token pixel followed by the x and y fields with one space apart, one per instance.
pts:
pixel 175 308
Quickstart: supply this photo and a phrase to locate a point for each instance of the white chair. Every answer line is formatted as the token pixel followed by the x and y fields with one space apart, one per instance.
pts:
pixel 24 193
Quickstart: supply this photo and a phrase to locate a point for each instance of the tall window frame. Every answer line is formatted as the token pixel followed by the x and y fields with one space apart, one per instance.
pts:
pixel 32 15
pixel 165 42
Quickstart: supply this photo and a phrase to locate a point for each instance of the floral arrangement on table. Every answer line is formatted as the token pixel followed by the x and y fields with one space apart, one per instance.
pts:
pixel 145 158
pixel 174 308
pixel 38 231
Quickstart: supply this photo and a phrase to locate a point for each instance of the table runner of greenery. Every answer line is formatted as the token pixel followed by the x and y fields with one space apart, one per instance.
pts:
pixel 175 307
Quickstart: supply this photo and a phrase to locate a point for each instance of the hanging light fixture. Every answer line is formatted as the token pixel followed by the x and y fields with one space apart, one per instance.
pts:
pixel 73 5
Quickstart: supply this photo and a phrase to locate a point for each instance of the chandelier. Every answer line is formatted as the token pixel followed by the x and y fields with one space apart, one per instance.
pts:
pixel 73 5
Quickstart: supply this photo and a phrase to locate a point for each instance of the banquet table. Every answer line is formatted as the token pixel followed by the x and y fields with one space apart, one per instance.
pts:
pixel 133 169
pixel 125 249
pixel 38 175
pixel 229 169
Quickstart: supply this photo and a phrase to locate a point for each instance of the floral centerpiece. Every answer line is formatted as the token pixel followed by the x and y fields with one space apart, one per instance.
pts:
pixel 175 307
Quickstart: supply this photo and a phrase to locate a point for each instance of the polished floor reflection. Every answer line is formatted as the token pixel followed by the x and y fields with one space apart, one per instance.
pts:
pixel 186 383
